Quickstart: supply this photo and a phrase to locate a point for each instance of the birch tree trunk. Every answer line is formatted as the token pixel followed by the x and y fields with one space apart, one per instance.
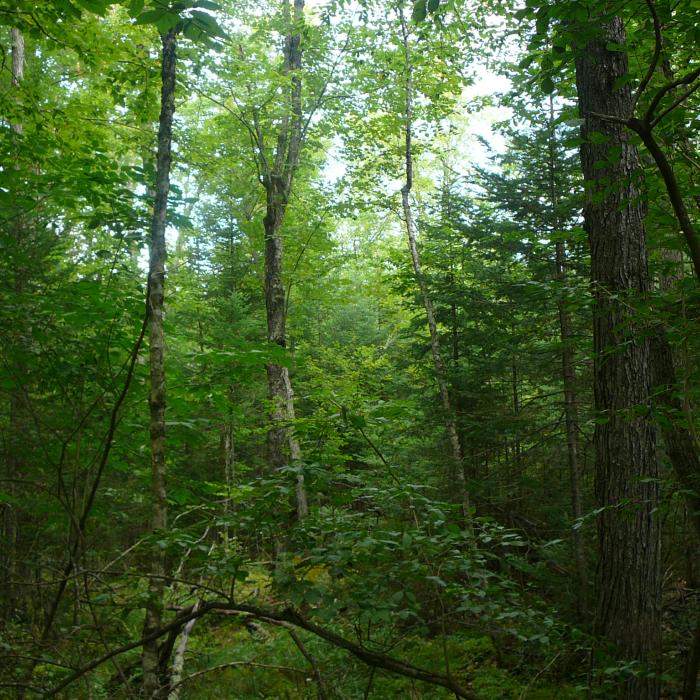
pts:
pixel 277 178
pixel 438 362
pixel 628 606
pixel 153 681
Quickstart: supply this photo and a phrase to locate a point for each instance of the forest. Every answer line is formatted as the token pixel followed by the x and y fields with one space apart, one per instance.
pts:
pixel 349 349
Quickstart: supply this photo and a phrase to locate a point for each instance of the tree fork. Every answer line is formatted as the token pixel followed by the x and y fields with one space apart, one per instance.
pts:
pixel 277 181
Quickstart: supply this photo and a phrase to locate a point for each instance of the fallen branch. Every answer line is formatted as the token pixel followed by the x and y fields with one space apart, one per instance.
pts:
pixel 288 615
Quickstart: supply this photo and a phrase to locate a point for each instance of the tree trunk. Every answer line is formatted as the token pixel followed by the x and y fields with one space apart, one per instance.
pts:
pixel 282 445
pixel 228 450
pixel 517 449
pixel 572 428
pixel 568 379
pixel 179 657
pixel 628 581
pixel 682 450
pixel 17 433
pixel 438 362
pixel 153 682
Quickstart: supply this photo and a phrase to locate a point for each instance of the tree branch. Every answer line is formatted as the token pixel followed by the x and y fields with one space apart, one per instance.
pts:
pixel 673 189
pixel 687 79
pixel 658 43
pixel 288 615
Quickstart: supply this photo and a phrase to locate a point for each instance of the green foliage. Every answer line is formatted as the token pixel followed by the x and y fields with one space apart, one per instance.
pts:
pixel 385 557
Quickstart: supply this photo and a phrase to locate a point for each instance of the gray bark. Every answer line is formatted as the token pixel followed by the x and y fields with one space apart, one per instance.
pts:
pixel 277 179
pixel 179 656
pixel 152 678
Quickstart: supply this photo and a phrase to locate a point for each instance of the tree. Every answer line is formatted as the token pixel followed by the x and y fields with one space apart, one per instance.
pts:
pixel 277 178
pixel 304 155
pixel 153 677
pixel 440 371
pixel 628 575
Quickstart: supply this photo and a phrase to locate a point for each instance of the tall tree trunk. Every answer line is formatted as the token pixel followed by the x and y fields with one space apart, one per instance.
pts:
pixel 282 445
pixel 568 377
pixel 228 454
pixel 628 578
pixel 438 362
pixel 17 429
pixel 682 451
pixel 676 426
pixel 572 428
pixel 153 682
pixel 517 451
pixel 17 66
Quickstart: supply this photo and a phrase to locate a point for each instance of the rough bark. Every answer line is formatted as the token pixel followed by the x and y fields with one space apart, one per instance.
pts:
pixel 438 362
pixel 628 577
pixel 277 178
pixel 152 680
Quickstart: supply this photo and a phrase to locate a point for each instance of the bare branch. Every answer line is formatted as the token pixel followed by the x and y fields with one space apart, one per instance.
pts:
pixel 678 101
pixel 658 44
pixel 321 98
pixel 687 79
pixel 109 441
pixel 609 118
pixel 311 659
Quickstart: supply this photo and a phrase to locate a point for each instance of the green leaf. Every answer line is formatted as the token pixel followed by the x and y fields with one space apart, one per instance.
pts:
pixel 619 48
pixel 150 16
pixel 136 7
pixel 208 24
pixel 167 22
pixel 597 137
pixel 96 6
pixel 420 11
pixel 542 21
